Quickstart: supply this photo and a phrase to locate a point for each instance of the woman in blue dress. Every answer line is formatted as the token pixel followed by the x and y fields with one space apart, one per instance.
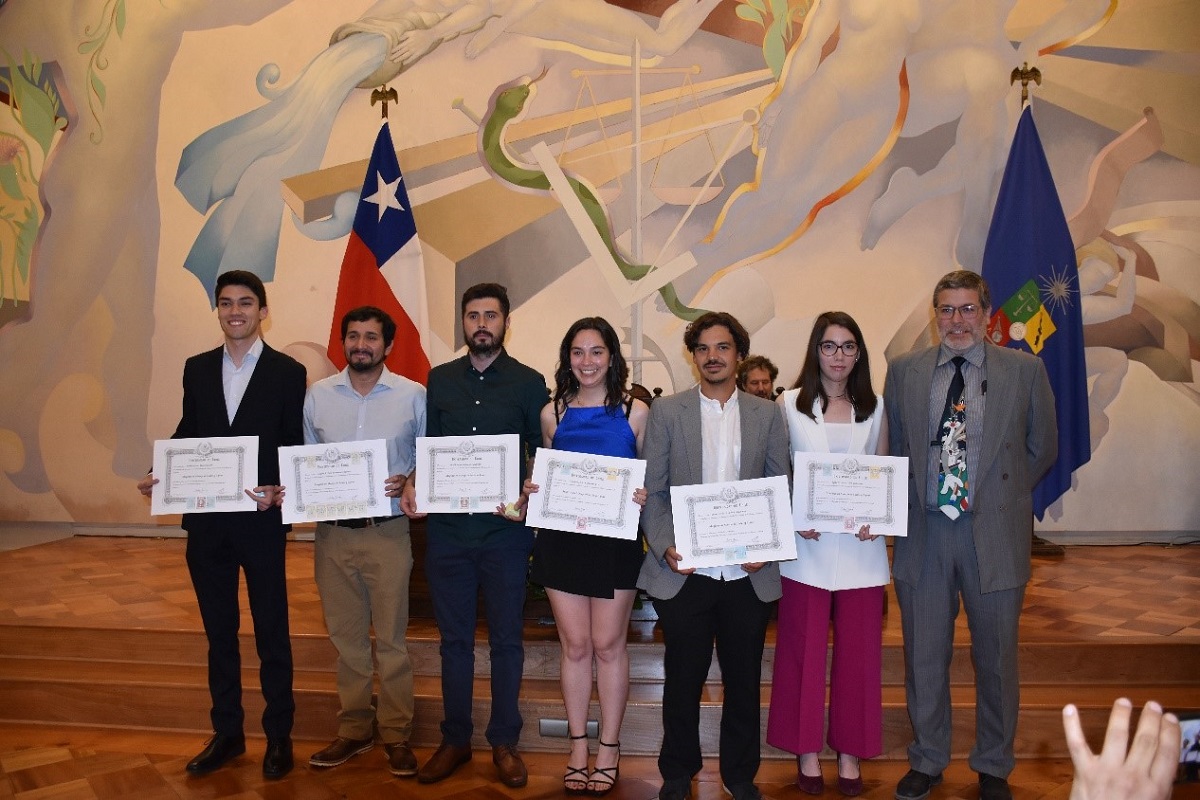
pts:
pixel 591 580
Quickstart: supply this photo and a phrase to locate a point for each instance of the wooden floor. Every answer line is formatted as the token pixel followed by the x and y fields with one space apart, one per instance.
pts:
pixel 1123 596
pixel 1092 593
pixel 40 762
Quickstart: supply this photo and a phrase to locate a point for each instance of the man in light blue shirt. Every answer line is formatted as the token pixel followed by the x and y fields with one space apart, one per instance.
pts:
pixel 363 565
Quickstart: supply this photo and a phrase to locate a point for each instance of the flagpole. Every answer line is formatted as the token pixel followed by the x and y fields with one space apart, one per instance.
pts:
pixel 1026 75
pixel 635 312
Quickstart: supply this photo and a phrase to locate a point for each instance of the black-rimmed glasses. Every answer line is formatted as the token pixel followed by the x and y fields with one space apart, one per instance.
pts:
pixel 828 348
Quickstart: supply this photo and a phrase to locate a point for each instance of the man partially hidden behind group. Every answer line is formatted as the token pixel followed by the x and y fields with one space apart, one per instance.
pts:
pixel 243 388
pixel 362 566
pixel 756 375
pixel 709 434
pixel 977 424
pixel 486 392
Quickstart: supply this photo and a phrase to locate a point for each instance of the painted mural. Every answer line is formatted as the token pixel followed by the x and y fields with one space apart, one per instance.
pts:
pixel 641 160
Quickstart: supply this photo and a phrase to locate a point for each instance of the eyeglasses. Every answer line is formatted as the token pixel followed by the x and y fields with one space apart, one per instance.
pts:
pixel 828 348
pixel 969 311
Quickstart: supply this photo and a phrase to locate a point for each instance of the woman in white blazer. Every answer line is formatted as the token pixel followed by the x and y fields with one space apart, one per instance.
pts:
pixel 840 576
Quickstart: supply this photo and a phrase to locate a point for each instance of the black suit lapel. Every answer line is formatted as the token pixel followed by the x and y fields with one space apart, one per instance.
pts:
pixel 259 380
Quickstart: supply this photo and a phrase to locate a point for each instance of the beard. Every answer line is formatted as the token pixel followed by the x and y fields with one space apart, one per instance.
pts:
pixel 486 347
pixel 363 366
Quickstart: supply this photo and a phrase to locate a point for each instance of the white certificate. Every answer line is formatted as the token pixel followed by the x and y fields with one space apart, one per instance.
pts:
pixel 203 476
pixel 467 474
pixel 737 522
pixel 342 480
pixel 585 493
pixel 839 493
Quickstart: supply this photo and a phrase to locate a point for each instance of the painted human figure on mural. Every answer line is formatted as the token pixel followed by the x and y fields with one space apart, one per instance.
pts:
pixel 899 68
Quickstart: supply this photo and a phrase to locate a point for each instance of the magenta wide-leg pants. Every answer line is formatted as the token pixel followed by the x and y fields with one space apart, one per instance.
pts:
pixel 797 717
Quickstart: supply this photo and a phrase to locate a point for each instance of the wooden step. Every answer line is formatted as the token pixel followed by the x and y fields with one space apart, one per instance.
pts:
pixel 1137 663
pixel 143 695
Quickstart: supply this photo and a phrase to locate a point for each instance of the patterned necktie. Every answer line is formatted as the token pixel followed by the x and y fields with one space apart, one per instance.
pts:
pixel 952 475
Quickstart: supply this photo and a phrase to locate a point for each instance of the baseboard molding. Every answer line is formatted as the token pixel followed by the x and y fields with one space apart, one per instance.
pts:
pixel 1166 538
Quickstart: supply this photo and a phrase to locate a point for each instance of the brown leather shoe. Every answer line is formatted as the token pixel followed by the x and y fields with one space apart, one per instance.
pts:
pixel 441 764
pixel 340 751
pixel 510 766
pixel 401 761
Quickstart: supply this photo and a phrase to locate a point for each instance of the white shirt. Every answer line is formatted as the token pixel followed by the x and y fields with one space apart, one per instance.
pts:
pixel 721 434
pixel 838 560
pixel 235 379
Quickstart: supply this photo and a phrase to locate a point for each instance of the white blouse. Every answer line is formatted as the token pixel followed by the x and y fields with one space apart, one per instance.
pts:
pixel 837 560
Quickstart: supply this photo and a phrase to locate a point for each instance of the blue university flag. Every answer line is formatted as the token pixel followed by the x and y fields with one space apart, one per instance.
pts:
pixel 1029 264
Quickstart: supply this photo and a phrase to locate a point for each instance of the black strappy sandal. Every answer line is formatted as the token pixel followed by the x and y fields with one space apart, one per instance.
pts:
pixel 608 775
pixel 576 779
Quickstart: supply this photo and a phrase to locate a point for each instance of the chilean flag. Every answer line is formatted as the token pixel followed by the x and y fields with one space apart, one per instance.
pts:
pixel 383 266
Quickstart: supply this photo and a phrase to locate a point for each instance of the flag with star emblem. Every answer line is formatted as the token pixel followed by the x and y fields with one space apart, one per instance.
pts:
pixel 1029 264
pixel 383 266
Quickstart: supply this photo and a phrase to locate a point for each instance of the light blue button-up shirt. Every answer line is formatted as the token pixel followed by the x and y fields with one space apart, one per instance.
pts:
pixel 394 410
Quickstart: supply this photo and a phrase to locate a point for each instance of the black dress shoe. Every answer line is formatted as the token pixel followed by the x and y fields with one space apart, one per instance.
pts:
pixel 916 785
pixel 219 750
pixel 676 789
pixel 992 787
pixel 278 760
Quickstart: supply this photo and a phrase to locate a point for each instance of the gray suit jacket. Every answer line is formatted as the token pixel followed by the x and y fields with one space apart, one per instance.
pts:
pixel 1019 443
pixel 673 451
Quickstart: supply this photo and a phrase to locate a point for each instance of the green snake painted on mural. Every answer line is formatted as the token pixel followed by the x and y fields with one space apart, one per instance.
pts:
pixel 508 103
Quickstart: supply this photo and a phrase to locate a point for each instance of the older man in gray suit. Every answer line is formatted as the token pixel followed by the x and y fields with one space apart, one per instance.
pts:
pixel 710 434
pixel 977 423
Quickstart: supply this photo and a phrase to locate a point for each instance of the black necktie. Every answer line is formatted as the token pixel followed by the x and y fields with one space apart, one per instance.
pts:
pixel 957 384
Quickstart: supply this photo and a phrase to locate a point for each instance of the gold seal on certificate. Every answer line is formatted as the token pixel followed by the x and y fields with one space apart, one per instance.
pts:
pixel 583 493
pixel 736 522
pixel 204 476
pixel 467 474
pixel 334 481
pixel 840 493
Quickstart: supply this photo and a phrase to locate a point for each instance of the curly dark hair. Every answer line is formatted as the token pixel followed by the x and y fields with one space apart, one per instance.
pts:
pixel 858 385
pixel 371 314
pixel 566 386
pixel 711 319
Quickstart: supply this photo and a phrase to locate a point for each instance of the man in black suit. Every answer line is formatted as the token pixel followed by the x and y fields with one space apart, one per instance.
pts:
pixel 243 388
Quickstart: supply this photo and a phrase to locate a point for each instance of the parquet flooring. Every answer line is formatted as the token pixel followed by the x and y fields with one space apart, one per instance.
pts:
pixel 1092 593
pixel 37 762
pixel 1108 598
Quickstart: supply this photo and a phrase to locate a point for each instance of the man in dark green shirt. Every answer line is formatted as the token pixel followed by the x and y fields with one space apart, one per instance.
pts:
pixel 485 392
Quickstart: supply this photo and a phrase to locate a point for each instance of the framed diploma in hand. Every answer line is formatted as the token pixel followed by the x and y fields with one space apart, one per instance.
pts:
pixel 840 493
pixel 584 493
pixel 204 476
pixel 467 474
pixel 737 522
pixel 334 481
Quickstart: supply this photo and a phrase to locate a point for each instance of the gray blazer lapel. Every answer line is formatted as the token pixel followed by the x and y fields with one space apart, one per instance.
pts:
pixel 1003 383
pixel 693 439
pixel 916 412
pixel 752 456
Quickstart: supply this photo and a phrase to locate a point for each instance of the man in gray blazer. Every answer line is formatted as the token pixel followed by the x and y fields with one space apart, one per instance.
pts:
pixel 713 433
pixel 976 445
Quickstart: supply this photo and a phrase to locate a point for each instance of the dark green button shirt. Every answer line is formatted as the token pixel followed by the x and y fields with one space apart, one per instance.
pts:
pixel 507 397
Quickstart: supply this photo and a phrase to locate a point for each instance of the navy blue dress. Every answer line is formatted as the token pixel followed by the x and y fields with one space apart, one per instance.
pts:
pixel 578 563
